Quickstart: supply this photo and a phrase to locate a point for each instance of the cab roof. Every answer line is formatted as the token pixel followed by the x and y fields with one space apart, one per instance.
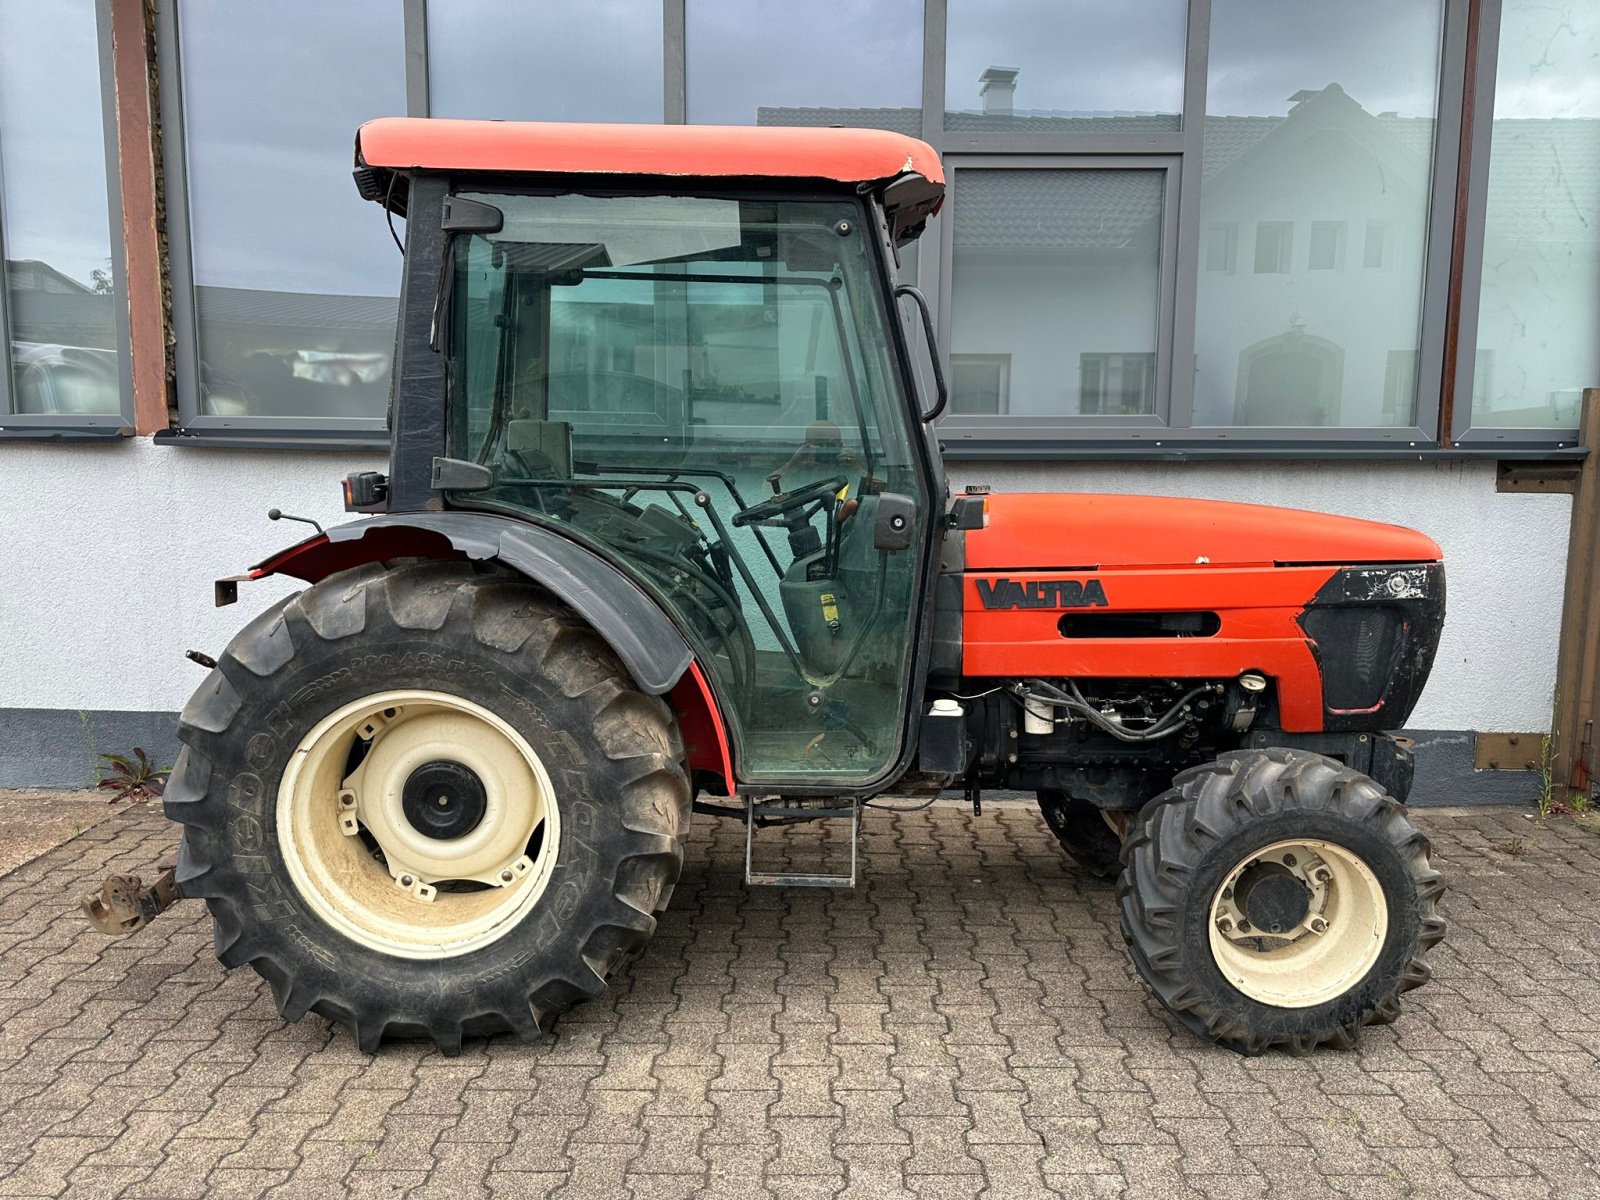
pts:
pixel 395 145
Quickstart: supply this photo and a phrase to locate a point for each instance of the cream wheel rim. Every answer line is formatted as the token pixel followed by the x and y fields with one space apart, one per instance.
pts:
pixel 440 838
pixel 1319 942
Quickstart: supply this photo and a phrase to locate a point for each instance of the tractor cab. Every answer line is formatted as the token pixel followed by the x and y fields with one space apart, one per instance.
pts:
pixel 687 359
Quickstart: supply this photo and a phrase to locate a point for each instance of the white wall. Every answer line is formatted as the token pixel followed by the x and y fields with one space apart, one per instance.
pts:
pixel 107 554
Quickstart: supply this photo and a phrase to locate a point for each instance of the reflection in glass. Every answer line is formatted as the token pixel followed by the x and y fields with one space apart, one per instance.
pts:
pixel 596 61
pixel 1319 127
pixel 1064 66
pixel 702 389
pixel 56 220
pixel 830 62
pixel 1057 277
pixel 295 275
pixel 1540 305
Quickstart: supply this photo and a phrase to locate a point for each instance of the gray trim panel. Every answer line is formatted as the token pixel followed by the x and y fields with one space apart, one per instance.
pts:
pixel 632 623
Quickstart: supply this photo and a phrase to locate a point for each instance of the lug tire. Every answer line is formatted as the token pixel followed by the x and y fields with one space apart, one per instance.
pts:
pixel 614 757
pixel 1216 816
pixel 1083 833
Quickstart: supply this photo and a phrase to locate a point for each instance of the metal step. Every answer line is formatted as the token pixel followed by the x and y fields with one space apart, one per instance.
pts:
pixel 782 812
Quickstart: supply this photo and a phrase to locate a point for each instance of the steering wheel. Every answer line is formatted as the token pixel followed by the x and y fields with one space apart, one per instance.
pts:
pixel 783 506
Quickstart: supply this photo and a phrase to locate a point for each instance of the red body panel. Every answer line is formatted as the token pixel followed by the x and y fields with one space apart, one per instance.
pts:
pixel 1040 531
pixel 705 737
pixel 1256 567
pixel 698 151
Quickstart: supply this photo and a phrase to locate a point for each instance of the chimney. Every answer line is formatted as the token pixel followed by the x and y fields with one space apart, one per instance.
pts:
pixel 996 86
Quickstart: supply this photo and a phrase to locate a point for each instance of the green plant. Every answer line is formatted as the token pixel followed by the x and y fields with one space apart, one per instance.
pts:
pixel 135 778
pixel 1588 822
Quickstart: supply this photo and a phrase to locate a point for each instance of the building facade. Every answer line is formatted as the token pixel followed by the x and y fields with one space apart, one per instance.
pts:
pixel 1344 257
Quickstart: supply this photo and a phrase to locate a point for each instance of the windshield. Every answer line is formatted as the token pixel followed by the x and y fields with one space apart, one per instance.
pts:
pixel 703 388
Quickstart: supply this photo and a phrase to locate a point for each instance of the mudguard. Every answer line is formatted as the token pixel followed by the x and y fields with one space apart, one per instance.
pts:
pixel 644 637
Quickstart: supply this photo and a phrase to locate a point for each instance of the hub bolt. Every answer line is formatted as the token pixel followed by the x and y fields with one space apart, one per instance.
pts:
pixel 506 876
pixel 1224 924
pixel 1288 860
pixel 1244 926
pixel 1322 875
pixel 1319 926
pixel 1227 893
pixel 406 881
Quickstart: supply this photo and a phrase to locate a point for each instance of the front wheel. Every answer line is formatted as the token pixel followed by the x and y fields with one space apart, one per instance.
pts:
pixel 1277 899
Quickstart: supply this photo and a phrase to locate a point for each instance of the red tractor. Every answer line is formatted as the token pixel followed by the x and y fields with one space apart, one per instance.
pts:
pixel 665 521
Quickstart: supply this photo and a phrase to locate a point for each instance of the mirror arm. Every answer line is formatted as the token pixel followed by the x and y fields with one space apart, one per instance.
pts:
pixel 941 390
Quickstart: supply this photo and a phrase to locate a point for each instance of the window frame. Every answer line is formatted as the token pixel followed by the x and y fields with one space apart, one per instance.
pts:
pixel 1462 430
pixel 81 425
pixel 193 425
pixel 938 279
pixel 1451 275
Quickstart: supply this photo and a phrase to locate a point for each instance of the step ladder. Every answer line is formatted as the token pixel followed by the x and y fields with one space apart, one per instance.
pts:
pixel 794 812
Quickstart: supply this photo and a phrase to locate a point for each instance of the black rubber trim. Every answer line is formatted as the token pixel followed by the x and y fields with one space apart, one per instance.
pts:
pixel 644 637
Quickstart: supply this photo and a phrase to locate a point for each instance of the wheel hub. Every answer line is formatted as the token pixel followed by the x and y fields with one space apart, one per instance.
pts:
pixel 1272 897
pixel 443 799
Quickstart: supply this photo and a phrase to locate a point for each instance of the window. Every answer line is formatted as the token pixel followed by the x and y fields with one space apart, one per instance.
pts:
pixel 1539 307
pixel 1375 252
pixel 980 383
pixel 1050 264
pixel 545 62
pixel 1326 110
pixel 61 356
pixel 1004 66
pixel 829 62
pixel 294 277
pixel 1274 246
pixel 1222 243
pixel 1327 246
pixel 1118 384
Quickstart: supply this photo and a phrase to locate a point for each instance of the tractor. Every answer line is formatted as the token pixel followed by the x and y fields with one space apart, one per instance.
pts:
pixel 665 530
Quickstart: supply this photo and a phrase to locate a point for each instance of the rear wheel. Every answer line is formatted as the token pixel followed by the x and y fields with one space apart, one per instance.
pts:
pixel 1084 832
pixel 1277 899
pixel 427 802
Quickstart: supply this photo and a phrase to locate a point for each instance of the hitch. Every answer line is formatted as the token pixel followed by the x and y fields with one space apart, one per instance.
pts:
pixel 125 904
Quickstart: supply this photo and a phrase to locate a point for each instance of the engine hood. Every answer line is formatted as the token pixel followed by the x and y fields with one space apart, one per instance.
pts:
pixel 1038 531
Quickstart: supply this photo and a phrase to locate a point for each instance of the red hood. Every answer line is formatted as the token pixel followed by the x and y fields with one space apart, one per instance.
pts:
pixel 1037 531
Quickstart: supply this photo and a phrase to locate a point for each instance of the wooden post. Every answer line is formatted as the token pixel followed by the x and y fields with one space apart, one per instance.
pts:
pixel 1573 758
pixel 132 42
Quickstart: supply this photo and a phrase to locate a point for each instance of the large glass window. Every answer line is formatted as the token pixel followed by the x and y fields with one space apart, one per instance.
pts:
pixel 596 61
pixel 702 388
pixel 1539 311
pixel 1064 66
pixel 828 62
pixel 295 277
pixel 1056 274
pixel 54 212
pixel 1319 119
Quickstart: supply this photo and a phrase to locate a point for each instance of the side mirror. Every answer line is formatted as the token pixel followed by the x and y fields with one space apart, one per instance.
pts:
pixel 941 392
pixel 895 523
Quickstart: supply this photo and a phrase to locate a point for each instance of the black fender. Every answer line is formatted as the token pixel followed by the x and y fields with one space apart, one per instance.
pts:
pixel 644 636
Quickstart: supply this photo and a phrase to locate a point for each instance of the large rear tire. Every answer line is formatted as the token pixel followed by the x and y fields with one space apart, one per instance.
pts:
pixel 427 801
pixel 1276 899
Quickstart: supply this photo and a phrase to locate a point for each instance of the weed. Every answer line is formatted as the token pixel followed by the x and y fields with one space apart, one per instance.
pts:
pixel 135 778
pixel 1512 846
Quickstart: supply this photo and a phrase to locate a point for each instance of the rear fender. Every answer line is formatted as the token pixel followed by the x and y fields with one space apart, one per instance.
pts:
pixel 643 636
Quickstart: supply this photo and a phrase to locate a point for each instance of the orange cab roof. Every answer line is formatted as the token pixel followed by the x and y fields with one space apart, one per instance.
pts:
pixel 697 151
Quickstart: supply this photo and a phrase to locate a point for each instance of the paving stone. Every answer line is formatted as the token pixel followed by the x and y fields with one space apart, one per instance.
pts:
pixel 964 1023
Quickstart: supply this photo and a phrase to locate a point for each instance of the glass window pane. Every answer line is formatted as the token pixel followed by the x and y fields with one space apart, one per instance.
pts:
pixel 1057 273
pixel 295 275
pixel 1064 66
pixel 1319 126
pixel 57 228
pixel 1540 304
pixel 832 62
pixel 597 61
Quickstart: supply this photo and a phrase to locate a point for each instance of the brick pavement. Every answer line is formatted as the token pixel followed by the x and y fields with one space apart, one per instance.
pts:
pixel 965 1023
